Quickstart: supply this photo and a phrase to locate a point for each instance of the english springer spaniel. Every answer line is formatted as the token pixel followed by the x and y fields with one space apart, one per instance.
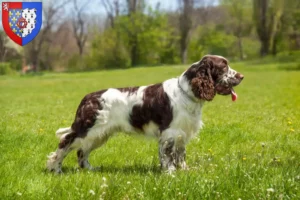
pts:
pixel 169 111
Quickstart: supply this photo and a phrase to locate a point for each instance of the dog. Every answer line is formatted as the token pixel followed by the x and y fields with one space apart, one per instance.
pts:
pixel 169 111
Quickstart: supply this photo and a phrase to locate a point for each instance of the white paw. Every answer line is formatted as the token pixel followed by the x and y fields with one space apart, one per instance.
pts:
pixel 171 169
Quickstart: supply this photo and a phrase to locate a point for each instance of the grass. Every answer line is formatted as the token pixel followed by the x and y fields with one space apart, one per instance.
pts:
pixel 249 149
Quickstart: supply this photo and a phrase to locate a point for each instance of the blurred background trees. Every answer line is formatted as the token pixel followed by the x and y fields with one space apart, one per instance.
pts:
pixel 127 33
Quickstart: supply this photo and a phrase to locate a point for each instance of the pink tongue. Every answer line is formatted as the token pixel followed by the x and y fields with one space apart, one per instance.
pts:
pixel 233 95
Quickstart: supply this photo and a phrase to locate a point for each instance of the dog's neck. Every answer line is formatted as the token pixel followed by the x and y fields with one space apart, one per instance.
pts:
pixel 185 89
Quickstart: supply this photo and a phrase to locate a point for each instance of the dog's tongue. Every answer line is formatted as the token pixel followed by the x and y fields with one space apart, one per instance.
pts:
pixel 233 95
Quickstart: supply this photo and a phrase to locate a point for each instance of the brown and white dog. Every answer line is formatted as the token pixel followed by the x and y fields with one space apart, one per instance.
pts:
pixel 169 111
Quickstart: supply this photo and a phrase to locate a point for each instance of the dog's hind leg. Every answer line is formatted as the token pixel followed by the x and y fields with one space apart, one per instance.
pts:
pixel 68 142
pixel 88 145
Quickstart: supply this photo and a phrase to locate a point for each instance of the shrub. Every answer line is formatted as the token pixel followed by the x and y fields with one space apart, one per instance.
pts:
pixel 5 69
pixel 208 40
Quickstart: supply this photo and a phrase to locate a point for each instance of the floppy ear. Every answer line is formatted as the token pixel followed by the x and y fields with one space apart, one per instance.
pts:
pixel 203 85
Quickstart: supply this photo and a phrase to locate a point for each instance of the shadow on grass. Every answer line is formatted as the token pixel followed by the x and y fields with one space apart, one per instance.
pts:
pixel 129 169
pixel 136 169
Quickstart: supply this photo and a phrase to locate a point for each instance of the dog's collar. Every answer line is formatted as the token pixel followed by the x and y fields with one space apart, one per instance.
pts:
pixel 184 92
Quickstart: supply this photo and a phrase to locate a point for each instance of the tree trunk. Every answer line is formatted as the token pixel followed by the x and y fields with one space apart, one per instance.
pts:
pixel 274 46
pixel 35 63
pixel 260 8
pixel 134 52
pixel 264 48
pixel 183 54
pixel 276 25
pixel 240 44
pixel 185 26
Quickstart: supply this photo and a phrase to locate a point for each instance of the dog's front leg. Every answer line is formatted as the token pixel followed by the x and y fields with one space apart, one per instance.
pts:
pixel 172 149
pixel 180 152
pixel 167 154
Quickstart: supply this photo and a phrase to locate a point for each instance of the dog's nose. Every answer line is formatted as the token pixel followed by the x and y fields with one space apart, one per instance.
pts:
pixel 239 76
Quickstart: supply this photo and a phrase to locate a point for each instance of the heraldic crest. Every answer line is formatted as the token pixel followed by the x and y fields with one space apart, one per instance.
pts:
pixel 22 21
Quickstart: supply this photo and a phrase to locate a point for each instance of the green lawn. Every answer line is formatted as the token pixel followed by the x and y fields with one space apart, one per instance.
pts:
pixel 249 149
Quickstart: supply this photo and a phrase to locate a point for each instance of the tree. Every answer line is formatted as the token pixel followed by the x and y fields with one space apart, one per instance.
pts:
pixel 134 10
pixel 288 32
pixel 185 26
pixel 267 17
pixel 239 21
pixel 3 50
pixel 52 14
pixel 79 25
pixel 112 8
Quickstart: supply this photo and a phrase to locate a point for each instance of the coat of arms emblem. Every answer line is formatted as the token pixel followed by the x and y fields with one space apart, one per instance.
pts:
pixel 22 21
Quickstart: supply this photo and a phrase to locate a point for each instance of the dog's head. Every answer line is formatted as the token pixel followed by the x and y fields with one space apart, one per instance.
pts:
pixel 212 75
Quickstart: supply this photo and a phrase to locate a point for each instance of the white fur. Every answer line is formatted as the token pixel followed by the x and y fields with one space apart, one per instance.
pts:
pixel 116 108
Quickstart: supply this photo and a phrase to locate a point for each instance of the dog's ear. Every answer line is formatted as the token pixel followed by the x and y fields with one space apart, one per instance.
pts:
pixel 202 84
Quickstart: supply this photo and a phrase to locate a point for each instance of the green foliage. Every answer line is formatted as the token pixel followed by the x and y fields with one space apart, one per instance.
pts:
pixel 209 40
pixel 249 151
pixel 151 34
pixel 74 64
pixel 6 69
pixel 107 51
pixel 250 48
pixel 240 20
pixel 155 38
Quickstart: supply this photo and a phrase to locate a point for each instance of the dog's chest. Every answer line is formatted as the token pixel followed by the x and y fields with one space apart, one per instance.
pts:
pixel 188 119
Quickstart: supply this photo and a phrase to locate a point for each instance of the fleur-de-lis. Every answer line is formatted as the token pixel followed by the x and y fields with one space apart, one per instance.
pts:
pixel 18 13
pixel 14 19
pixel 14 30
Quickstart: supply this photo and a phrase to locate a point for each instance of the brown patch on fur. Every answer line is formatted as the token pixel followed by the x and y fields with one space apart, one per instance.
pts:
pixel 156 107
pixel 86 113
pixel 67 140
pixel 130 90
pixel 203 87
pixel 218 66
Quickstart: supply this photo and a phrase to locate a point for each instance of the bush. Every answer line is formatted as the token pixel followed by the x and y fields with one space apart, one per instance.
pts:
pixel 251 48
pixel 138 39
pixel 208 40
pixel 107 53
pixel 74 64
pixel 5 69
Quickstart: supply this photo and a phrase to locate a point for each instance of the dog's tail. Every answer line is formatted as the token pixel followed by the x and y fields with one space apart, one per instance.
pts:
pixel 62 131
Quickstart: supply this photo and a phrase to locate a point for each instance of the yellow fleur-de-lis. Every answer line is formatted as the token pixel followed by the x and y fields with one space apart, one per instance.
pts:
pixel 14 19
pixel 18 13
pixel 10 24
pixel 10 13
pixel 14 30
